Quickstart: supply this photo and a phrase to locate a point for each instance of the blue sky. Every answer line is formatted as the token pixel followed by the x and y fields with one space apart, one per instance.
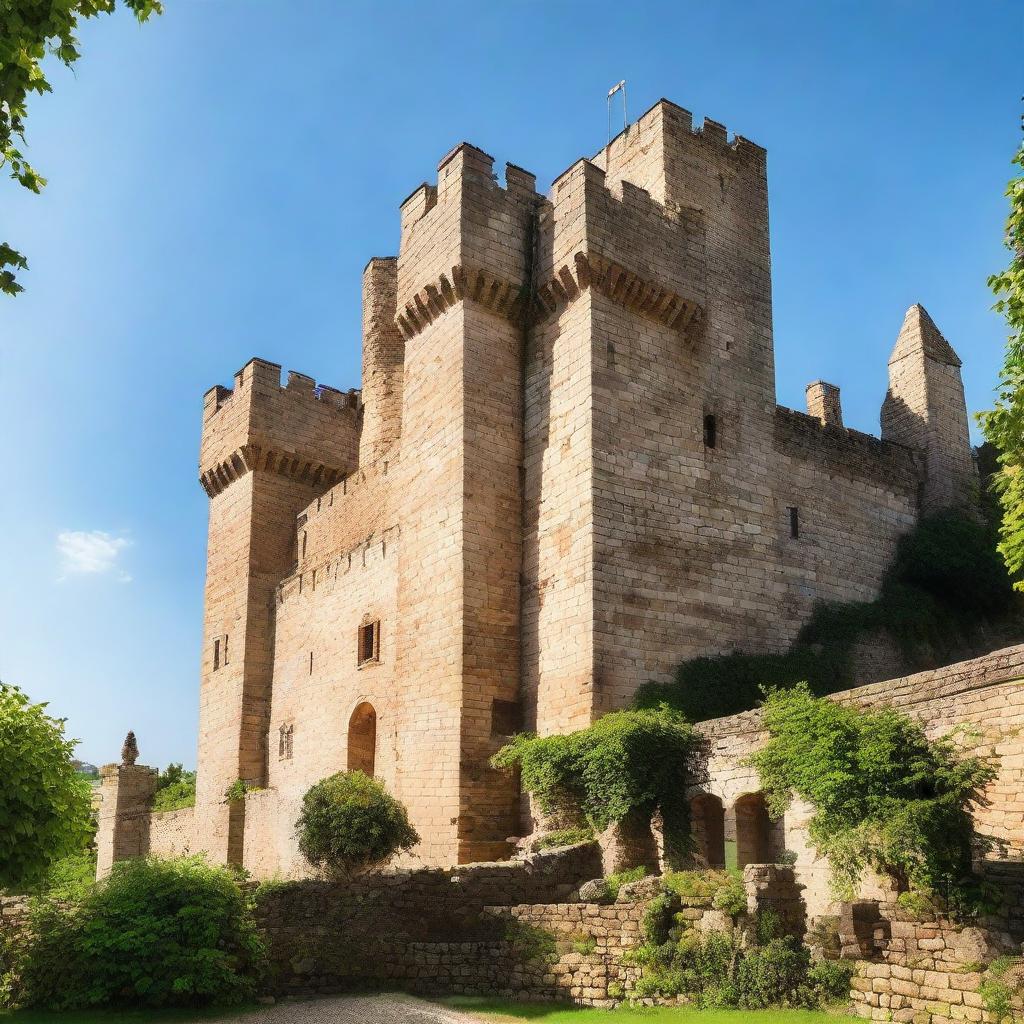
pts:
pixel 219 177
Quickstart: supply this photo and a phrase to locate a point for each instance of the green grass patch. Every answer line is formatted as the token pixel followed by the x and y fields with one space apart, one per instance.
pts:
pixel 560 1013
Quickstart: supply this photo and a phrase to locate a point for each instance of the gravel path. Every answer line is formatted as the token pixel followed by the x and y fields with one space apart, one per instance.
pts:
pixel 376 1009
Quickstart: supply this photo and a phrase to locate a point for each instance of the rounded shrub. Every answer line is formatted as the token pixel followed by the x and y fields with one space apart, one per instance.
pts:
pixel 155 933
pixel 350 824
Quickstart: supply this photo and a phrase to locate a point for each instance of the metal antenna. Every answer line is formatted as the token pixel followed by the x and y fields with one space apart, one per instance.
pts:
pixel 620 87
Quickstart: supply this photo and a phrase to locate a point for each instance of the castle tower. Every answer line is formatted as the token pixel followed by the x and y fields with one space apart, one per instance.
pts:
pixel 266 453
pixel 383 361
pixel 462 267
pixel 925 408
pixel 650 403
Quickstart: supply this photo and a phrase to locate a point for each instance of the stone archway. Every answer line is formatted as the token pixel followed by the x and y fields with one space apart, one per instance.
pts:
pixel 707 821
pixel 362 739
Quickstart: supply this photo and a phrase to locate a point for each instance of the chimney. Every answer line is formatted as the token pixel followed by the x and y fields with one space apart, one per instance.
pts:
pixel 823 403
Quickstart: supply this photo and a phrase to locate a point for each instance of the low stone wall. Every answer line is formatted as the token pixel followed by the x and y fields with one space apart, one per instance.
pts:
pixel 438 932
pixel 923 971
pixel 171 833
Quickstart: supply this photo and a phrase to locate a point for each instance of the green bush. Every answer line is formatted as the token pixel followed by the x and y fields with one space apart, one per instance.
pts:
pixel 720 970
pixel 831 978
pixel 946 581
pixel 563 837
pixel 699 884
pixel 45 804
pixel 885 797
pixel 69 878
pixel 175 789
pixel 731 897
pixel 154 933
pixel 627 763
pixel 616 881
pixel 1002 983
pixel 175 797
pixel 350 823
pixel 529 943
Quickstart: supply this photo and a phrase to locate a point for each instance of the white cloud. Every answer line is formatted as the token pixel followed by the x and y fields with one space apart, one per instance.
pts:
pixel 91 552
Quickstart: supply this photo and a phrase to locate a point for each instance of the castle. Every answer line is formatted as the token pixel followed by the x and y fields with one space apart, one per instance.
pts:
pixel 565 473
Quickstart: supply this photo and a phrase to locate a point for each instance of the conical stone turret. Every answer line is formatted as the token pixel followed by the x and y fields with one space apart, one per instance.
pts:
pixel 925 408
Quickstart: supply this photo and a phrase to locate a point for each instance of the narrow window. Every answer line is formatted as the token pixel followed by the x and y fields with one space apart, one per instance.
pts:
pixel 225 648
pixel 216 654
pixel 368 642
pixel 794 521
pixel 710 431
pixel 284 742
pixel 304 543
pixel 310 662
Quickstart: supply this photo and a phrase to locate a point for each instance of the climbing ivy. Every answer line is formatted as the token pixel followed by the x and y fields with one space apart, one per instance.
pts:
pixel 626 763
pixel 885 797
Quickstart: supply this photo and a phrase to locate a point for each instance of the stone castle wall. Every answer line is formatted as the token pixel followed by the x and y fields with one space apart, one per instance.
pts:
pixel 566 474
pixel 172 833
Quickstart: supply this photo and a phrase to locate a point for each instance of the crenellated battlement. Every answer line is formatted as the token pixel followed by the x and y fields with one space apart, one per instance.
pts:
pixel 261 374
pixel 665 112
pixel 300 429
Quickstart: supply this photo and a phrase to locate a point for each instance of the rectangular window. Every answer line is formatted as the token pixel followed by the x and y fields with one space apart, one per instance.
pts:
pixel 368 643
pixel 710 431
pixel 216 654
pixel 794 521
pixel 225 648
pixel 310 662
pixel 506 717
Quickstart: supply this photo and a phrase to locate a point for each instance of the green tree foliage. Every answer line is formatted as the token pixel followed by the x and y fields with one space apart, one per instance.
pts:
pixel 1003 426
pixel 175 789
pixel 45 804
pixel 885 797
pixel 946 581
pixel 31 30
pixel 350 824
pixel 626 763
pixel 155 933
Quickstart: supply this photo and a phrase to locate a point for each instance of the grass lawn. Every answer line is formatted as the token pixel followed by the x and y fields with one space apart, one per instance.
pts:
pixel 508 1010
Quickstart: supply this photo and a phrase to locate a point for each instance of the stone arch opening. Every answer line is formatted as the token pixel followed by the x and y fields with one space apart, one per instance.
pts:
pixel 707 822
pixel 362 739
pixel 753 830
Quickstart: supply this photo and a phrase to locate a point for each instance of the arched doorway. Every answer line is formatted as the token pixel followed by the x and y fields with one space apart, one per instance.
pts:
pixel 753 830
pixel 362 739
pixel 707 820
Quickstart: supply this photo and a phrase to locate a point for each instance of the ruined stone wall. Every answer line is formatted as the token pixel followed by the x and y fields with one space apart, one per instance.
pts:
pixel 512 930
pixel 172 833
pixel 985 695
pixel 930 970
